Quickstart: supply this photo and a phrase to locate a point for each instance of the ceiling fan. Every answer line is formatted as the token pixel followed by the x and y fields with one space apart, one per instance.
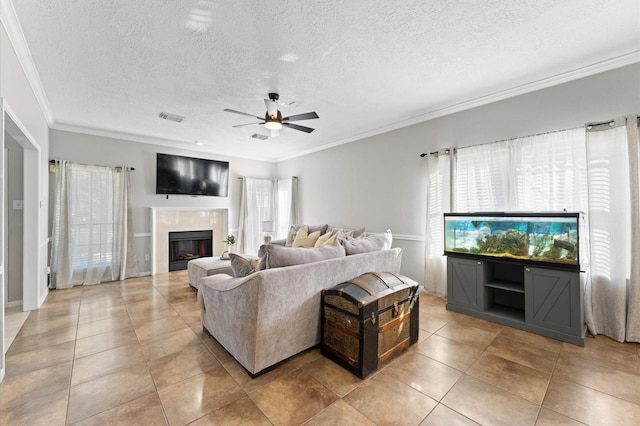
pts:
pixel 273 119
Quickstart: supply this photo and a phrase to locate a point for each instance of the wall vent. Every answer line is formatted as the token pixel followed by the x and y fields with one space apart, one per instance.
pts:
pixel 259 136
pixel 171 117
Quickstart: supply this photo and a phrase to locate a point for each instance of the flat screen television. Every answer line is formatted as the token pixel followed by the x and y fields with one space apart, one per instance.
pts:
pixel 176 174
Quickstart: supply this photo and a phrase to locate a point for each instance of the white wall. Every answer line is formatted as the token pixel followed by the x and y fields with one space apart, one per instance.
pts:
pixel 2 217
pixel 379 182
pixel 89 149
pixel 20 102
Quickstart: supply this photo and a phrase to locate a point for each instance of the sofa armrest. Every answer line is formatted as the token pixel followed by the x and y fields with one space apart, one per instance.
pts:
pixel 224 282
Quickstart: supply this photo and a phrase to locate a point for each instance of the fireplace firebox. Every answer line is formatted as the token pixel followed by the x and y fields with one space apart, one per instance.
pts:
pixel 186 246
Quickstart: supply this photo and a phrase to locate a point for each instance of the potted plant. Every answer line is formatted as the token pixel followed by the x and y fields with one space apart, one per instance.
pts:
pixel 230 240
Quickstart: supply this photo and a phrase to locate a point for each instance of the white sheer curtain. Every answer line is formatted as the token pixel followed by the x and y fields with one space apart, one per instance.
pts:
pixel 544 172
pixel 438 202
pixel 614 207
pixel 242 217
pixel 257 205
pixel 91 239
pixel 294 215
pixel 286 206
pixel 596 173
pixel 481 178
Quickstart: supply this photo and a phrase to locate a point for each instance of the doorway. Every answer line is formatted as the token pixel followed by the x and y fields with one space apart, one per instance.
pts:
pixel 14 232
pixel 22 284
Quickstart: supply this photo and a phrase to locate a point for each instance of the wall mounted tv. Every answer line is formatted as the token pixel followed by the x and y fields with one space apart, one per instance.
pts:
pixel 191 176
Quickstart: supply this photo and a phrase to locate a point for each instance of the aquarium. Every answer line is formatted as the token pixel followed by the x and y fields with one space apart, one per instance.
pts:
pixel 553 239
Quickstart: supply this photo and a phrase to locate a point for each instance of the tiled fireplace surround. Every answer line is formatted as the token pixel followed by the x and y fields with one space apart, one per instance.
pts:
pixel 166 219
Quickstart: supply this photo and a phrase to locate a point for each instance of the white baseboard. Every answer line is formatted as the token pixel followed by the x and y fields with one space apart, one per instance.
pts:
pixel 43 298
pixel 13 304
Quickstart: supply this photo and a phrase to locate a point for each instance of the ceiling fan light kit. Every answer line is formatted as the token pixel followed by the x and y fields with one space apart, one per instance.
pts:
pixel 273 125
pixel 273 119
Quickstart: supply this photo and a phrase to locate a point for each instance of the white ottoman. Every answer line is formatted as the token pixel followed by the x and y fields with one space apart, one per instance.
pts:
pixel 205 266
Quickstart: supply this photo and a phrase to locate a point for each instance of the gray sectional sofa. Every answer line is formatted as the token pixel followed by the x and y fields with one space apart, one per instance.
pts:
pixel 272 314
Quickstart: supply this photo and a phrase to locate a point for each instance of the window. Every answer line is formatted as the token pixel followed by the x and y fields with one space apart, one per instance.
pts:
pixel 537 173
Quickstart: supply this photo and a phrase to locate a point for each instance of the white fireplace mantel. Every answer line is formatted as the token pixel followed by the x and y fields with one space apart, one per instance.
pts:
pixel 176 219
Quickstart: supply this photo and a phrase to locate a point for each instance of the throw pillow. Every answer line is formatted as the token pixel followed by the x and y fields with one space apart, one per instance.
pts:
pixel 305 240
pixel 348 233
pixel 293 230
pixel 243 264
pixel 331 241
pixel 325 239
pixel 281 256
pixel 373 242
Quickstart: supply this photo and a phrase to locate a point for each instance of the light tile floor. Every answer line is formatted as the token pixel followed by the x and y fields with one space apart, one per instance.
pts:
pixel 134 352
pixel 14 318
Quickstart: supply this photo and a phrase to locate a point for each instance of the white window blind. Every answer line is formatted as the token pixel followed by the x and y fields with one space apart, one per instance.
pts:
pixel 538 173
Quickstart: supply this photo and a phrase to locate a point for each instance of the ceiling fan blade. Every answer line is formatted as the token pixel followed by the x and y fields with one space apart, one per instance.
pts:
pixel 248 124
pixel 272 108
pixel 297 127
pixel 243 113
pixel 298 117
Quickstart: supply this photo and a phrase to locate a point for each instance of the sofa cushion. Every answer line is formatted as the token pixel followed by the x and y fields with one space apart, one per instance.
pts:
pixel 293 230
pixel 327 239
pixel 342 233
pixel 280 256
pixel 243 264
pixel 304 239
pixel 373 242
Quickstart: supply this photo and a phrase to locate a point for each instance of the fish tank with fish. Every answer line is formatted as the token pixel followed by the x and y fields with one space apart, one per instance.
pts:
pixel 552 239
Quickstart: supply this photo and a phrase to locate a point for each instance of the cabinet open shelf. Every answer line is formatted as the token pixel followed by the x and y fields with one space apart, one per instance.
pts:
pixel 507 312
pixel 506 285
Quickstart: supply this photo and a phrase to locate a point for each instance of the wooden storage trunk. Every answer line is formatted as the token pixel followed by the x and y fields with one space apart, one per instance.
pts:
pixel 368 320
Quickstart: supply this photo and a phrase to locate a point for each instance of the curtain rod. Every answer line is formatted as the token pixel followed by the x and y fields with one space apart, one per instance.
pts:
pixel 613 122
pixel 446 151
pixel 117 167
pixel 509 139
pixel 244 177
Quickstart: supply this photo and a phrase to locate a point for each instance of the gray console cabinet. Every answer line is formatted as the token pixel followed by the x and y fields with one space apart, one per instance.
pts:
pixel 545 301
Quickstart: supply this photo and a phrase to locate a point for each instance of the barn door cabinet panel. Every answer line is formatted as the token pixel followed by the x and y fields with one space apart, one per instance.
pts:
pixel 463 289
pixel 553 300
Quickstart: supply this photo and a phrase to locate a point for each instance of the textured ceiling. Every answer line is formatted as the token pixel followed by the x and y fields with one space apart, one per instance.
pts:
pixel 110 67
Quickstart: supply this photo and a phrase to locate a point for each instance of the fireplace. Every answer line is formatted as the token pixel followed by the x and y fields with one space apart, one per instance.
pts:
pixel 176 219
pixel 187 245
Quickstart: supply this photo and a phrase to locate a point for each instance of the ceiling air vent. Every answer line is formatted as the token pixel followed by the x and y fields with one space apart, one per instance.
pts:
pixel 171 117
pixel 258 136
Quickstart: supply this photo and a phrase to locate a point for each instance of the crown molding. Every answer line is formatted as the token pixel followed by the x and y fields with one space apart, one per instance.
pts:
pixel 171 143
pixel 587 71
pixel 20 47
